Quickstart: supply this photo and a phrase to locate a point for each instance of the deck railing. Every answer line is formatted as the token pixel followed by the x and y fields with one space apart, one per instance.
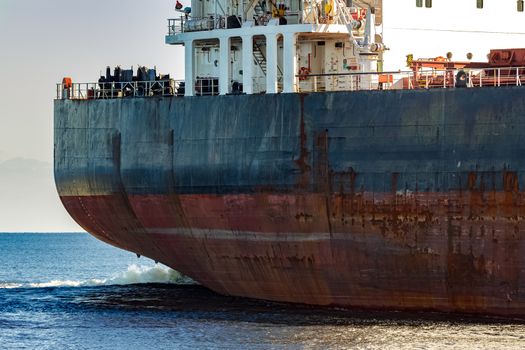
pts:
pixel 409 80
pixel 106 90
pixel 176 25
pixel 193 24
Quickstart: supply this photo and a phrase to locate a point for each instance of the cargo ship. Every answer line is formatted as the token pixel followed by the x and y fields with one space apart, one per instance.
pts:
pixel 301 161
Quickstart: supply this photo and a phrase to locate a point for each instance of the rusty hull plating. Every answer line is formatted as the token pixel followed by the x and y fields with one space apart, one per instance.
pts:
pixel 406 200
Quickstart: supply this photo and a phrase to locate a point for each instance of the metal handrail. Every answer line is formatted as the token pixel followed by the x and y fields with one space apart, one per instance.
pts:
pixel 408 80
pixel 108 90
pixel 181 25
pixel 351 81
pixel 206 86
pixel 176 25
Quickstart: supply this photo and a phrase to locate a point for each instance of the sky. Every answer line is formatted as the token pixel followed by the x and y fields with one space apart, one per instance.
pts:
pixel 43 41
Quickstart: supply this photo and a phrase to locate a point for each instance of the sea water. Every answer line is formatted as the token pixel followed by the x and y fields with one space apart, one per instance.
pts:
pixel 70 291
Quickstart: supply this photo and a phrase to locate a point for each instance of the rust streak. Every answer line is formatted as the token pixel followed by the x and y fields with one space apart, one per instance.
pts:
pixel 302 162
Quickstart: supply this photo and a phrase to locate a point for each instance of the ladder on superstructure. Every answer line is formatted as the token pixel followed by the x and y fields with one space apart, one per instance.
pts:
pixel 257 7
pixel 343 12
pixel 260 59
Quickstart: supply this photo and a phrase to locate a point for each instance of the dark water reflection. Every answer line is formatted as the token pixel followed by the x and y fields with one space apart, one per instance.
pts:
pixel 191 317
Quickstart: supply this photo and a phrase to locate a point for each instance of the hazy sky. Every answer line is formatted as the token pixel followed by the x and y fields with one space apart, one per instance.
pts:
pixel 43 41
pixel 40 42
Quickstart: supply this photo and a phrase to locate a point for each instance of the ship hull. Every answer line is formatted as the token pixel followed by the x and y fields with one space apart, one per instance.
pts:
pixel 406 200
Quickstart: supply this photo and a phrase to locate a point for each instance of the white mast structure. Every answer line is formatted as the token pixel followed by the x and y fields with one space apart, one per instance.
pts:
pixel 273 46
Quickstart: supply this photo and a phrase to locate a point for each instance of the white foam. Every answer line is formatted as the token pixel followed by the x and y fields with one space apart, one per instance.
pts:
pixel 10 285
pixel 135 274
pixel 146 274
pixel 55 284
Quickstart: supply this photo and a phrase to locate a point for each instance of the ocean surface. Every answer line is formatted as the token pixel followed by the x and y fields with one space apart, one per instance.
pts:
pixel 70 291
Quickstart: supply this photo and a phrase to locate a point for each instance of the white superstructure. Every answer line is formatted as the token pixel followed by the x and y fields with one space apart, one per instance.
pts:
pixel 272 46
pixel 266 46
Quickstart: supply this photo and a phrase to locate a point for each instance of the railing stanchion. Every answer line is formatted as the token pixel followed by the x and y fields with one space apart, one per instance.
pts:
pixel 481 78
